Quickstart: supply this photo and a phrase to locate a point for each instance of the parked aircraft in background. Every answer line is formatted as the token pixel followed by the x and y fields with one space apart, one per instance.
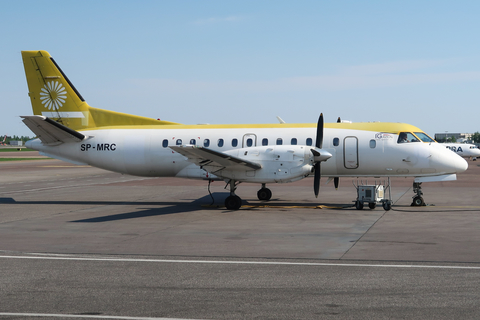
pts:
pixel 465 150
pixel 2 143
pixel 69 129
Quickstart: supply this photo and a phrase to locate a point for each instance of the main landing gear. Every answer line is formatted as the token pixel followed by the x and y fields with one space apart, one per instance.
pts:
pixel 234 202
pixel 417 199
pixel 264 193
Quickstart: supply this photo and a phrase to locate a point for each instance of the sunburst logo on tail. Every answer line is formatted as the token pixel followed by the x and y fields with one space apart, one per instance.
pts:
pixel 53 95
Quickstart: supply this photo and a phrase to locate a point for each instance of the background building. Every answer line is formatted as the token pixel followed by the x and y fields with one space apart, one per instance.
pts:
pixel 453 137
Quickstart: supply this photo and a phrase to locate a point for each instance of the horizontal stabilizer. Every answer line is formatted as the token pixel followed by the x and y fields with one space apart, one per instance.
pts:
pixel 209 158
pixel 51 132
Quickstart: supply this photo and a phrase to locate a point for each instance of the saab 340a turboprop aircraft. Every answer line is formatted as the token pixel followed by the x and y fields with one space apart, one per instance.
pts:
pixel 67 128
pixel 466 150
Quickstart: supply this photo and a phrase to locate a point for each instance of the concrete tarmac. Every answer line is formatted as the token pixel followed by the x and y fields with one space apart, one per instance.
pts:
pixel 77 241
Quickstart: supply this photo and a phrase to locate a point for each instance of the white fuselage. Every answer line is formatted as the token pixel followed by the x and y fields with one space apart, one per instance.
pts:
pixel 355 153
pixel 463 149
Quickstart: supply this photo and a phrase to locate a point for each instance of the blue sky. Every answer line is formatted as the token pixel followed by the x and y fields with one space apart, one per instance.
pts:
pixel 249 61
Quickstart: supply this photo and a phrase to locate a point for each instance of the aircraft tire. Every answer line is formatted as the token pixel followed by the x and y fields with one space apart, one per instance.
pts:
pixel 264 194
pixel 418 201
pixel 372 205
pixel 233 202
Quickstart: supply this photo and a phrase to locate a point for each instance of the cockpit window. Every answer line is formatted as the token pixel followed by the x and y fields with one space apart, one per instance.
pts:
pixel 423 136
pixel 407 137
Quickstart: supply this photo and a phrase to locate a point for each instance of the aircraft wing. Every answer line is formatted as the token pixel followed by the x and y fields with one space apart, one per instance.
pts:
pixel 51 132
pixel 211 159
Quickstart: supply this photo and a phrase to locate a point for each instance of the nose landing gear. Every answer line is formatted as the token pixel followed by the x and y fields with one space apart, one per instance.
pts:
pixel 417 199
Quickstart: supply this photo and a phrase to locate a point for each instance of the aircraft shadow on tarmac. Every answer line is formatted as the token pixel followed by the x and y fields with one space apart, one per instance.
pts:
pixel 204 203
pixel 166 207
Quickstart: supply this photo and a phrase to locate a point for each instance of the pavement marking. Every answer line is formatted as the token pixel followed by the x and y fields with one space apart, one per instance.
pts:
pixel 68 186
pixel 318 264
pixel 82 316
pixel 72 166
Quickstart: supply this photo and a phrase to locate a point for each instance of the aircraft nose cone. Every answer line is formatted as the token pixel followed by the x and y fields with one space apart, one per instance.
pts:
pixel 456 163
pixel 446 160
pixel 461 165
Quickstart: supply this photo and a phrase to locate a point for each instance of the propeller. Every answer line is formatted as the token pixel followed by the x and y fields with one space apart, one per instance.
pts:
pixel 318 144
pixel 319 155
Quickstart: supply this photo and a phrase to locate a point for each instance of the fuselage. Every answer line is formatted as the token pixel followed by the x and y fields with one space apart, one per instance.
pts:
pixel 357 150
pixel 463 149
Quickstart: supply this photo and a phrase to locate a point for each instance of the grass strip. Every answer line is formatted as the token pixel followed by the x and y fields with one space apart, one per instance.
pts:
pixel 15 149
pixel 21 159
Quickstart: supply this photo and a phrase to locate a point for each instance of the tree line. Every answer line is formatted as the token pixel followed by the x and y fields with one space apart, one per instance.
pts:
pixel 14 138
pixel 476 137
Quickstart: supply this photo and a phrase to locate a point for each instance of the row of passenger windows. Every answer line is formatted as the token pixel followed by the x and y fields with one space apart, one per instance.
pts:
pixel 249 142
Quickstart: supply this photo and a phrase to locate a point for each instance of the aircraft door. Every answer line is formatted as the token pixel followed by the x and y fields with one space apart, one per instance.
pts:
pixel 249 140
pixel 350 152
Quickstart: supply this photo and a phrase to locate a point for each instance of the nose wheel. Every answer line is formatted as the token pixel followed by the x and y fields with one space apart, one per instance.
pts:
pixel 418 201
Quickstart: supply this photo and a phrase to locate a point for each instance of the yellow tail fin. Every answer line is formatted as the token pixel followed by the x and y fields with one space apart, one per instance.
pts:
pixel 54 96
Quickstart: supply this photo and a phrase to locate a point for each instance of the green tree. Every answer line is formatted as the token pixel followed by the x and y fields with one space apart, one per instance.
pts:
pixel 453 139
pixel 476 137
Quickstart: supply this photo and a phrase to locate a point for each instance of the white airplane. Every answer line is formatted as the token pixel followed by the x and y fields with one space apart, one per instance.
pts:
pixel 465 150
pixel 67 128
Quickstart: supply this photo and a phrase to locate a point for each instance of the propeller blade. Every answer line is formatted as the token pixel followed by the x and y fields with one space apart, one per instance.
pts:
pixel 319 141
pixel 316 179
pixel 336 180
pixel 318 144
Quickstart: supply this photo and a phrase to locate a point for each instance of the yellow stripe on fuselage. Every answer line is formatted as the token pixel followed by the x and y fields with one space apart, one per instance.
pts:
pixel 387 127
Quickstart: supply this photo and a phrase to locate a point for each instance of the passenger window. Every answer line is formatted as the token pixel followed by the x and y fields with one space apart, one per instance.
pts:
pixel 179 142
pixel 206 143
pixel 373 143
pixel 220 143
pixel 165 143
pixel 336 142
pixel 234 142
pixel 293 142
pixel 249 142
pixel 264 142
pixel 279 141
pixel 309 141
pixel 193 142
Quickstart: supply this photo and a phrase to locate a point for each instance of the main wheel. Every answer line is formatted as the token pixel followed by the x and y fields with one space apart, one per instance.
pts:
pixel 359 205
pixel 372 205
pixel 233 202
pixel 418 201
pixel 264 194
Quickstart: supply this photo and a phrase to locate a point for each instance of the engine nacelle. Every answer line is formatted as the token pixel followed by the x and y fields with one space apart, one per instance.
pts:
pixel 279 163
